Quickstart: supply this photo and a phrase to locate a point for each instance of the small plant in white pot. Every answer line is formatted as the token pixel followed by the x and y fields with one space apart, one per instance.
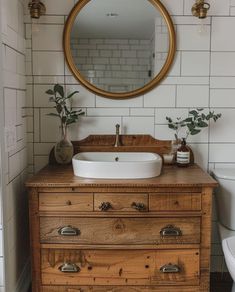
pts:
pixel 67 116
pixel 191 125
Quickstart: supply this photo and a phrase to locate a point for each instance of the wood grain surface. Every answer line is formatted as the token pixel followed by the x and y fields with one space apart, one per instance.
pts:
pixel 171 177
pixel 175 202
pixel 101 267
pixel 121 250
pixel 135 231
pixel 65 202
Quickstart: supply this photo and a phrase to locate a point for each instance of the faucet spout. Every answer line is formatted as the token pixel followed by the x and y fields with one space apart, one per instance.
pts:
pixel 117 140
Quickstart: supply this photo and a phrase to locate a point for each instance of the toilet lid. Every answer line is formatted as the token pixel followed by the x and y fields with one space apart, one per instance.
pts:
pixel 231 245
pixel 225 173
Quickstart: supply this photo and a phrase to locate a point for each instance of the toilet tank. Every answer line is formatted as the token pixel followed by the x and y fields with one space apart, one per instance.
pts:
pixel 225 196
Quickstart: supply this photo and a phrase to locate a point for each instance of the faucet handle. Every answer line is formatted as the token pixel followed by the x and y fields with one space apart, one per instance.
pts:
pixel 117 128
pixel 117 140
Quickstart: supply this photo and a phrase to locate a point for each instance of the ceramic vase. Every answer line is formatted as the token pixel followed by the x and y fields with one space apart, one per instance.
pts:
pixel 64 148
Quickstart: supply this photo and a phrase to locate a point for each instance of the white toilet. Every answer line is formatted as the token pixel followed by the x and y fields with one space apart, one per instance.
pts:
pixel 225 199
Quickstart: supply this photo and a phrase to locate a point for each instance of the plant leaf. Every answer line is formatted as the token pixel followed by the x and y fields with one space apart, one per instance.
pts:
pixel 59 108
pixel 50 91
pixel 188 120
pixel 72 94
pixel 194 113
pixel 203 116
pixel 190 127
pixel 58 88
pixel 195 131
pixel 202 124
pixel 172 127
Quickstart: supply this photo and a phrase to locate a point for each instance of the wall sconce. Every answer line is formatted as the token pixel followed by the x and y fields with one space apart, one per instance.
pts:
pixel 36 8
pixel 200 9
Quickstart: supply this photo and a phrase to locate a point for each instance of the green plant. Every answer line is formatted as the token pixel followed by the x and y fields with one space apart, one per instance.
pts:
pixel 193 124
pixel 65 112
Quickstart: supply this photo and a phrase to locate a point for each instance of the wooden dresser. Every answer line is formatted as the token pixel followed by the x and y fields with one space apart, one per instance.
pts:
pixel 120 235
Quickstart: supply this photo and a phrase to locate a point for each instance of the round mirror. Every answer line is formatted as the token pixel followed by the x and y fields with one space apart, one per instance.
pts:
pixel 119 49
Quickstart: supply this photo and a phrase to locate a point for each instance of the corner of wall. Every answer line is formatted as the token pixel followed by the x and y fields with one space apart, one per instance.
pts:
pixel 24 280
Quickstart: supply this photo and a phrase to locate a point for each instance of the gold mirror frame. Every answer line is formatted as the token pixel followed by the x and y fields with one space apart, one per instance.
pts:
pixel 130 94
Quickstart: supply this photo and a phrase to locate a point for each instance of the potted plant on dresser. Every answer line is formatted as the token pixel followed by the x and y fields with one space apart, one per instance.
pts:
pixel 184 127
pixel 63 150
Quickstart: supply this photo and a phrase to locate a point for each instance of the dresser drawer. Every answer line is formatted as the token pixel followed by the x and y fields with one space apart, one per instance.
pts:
pixel 119 267
pixel 134 231
pixel 175 202
pixel 66 202
pixel 118 202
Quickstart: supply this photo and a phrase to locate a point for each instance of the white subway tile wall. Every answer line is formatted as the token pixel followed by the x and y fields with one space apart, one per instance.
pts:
pixel 15 254
pixel 202 76
pixel 115 64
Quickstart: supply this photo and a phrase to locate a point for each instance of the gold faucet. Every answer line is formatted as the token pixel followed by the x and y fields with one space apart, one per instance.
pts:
pixel 117 141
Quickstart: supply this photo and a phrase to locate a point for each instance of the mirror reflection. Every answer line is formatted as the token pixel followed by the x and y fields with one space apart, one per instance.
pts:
pixel 119 46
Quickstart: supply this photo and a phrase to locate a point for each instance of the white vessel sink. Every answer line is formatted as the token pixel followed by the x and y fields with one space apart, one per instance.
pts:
pixel 117 165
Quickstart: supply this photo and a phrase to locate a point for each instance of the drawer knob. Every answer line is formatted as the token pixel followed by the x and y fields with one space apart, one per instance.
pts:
pixel 170 230
pixel 138 206
pixel 69 231
pixel 170 268
pixel 105 206
pixel 69 268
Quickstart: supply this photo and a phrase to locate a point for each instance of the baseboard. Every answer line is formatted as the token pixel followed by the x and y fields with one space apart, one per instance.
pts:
pixel 24 280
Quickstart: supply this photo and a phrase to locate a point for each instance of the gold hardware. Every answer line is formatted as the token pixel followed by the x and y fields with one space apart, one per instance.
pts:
pixel 36 9
pixel 138 206
pixel 170 268
pixel 117 141
pixel 200 9
pixel 170 230
pixel 69 268
pixel 69 231
pixel 105 206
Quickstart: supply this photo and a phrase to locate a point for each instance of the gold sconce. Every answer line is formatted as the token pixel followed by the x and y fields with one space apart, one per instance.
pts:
pixel 200 9
pixel 36 9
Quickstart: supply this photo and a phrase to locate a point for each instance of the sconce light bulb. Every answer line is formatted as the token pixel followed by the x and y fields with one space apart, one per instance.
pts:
pixel 36 9
pixel 200 9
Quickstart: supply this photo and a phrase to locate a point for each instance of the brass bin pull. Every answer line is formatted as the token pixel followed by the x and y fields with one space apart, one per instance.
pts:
pixel 170 230
pixel 138 206
pixel 69 268
pixel 69 231
pixel 170 269
pixel 105 206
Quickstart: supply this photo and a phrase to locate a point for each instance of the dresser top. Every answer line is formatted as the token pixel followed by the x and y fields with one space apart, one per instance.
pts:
pixel 172 176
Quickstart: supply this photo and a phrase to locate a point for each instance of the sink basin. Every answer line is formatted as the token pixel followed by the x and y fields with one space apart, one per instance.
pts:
pixel 117 165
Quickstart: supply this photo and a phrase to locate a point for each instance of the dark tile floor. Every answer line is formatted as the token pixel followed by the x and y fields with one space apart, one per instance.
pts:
pixel 221 282
pixel 221 288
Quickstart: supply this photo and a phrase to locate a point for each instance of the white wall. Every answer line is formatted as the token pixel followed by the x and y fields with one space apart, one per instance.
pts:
pixel 2 185
pixel 202 76
pixel 14 164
